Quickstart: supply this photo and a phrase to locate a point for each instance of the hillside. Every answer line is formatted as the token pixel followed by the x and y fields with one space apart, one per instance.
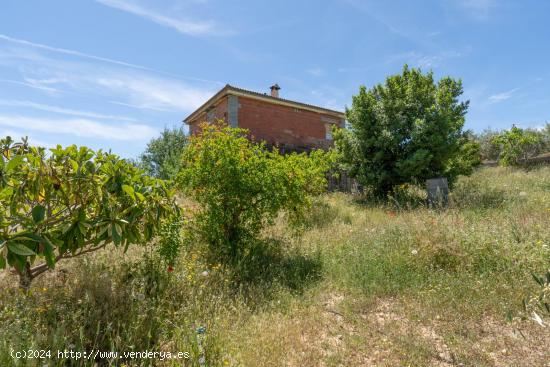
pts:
pixel 360 284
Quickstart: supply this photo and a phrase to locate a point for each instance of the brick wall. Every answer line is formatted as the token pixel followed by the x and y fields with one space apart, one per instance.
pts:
pixel 285 126
pixel 218 111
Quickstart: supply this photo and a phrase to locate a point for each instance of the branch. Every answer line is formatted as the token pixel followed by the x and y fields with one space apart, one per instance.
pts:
pixel 39 269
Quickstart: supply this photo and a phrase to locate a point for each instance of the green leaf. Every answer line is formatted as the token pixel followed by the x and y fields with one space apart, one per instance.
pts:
pixel 6 192
pixel 14 162
pixel 129 190
pixel 20 249
pixel 38 213
pixel 2 262
pixel 48 253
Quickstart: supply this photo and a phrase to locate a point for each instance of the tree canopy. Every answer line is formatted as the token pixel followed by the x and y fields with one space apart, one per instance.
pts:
pixel 407 130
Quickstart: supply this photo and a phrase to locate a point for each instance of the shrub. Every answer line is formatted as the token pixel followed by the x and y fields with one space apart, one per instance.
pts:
pixel 241 186
pixel 406 131
pixel 517 144
pixel 71 202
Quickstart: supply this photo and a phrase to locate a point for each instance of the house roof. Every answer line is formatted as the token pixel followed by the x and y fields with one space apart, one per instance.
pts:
pixel 231 90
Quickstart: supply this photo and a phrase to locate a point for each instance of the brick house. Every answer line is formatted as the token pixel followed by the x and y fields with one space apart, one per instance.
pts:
pixel 289 125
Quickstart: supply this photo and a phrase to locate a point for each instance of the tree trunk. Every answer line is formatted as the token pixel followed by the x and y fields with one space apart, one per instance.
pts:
pixel 25 277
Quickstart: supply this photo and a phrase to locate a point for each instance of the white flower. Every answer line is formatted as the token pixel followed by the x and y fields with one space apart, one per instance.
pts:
pixel 204 273
pixel 414 252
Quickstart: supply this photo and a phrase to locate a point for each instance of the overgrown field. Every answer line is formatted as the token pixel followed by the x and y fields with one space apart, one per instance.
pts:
pixel 361 284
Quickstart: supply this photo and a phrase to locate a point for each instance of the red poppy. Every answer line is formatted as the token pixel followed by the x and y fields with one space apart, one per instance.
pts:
pixel 170 269
pixel 391 214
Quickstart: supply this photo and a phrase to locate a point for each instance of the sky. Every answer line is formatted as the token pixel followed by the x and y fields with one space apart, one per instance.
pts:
pixel 112 74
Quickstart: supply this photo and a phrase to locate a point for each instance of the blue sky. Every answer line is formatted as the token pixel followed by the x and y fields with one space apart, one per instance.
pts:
pixel 112 73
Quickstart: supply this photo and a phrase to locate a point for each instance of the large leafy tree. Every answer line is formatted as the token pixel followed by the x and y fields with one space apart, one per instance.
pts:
pixel 69 202
pixel 162 155
pixel 406 131
pixel 241 186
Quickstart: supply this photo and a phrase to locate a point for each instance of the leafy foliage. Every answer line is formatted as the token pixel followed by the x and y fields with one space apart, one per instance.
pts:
pixel 517 144
pixel 513 144
pixel 406 131
pixel 170 239
pixel 162 155
pixel 70 202
pixel 241 186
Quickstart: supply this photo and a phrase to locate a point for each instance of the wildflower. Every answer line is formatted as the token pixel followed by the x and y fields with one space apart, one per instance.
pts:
pixel 391 214
pixel 414 252
pixel 523 193
pixel 204 273
pixel 170 268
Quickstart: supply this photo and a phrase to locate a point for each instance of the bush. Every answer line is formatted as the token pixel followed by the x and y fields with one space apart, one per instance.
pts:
pixel 71 202
pixel 406 131
pixel 241 186
pixel 517 144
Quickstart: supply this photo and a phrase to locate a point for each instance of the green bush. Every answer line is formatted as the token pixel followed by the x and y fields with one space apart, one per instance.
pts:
pixel 71 202
pixel 241 186
pixel 517 144
pixel 406 131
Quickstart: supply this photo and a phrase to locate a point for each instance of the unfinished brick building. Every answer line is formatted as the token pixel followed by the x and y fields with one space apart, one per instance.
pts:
pixel 289 125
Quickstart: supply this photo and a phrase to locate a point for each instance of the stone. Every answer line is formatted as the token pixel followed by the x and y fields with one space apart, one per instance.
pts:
pixel 438 191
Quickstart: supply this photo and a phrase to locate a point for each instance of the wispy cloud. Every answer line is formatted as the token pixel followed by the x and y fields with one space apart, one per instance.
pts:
pixel 84 55
pixel 478 9
pixel 503 96
pixel 127 84
pixel 30 85
pixel 182 25
pixel 154 93
pixel 61 110
pixel 422 60
pixel 80 127
pixel 316 71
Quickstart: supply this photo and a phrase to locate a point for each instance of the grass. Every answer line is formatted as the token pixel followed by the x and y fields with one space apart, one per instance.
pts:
pixel 361 284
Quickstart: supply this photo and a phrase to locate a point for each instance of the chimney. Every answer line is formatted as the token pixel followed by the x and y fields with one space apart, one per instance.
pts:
pixel 275 90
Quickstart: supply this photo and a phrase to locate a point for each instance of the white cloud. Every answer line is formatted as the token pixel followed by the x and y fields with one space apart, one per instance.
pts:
pixel 37 58
pixel 153 93
pixel 479 9
pixel 126 85
pixel 30 85
pixel 499 97
pixel 419 59
pixel 80 127
pixel 182 25
pixel 60 110
pixel 316 71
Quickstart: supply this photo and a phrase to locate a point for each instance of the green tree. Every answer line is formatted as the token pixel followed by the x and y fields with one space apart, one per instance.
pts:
pixel 241 186
pixel 517 144
pixel 70 202
pixel 162 156
pixel 488 149
pixel 405 131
